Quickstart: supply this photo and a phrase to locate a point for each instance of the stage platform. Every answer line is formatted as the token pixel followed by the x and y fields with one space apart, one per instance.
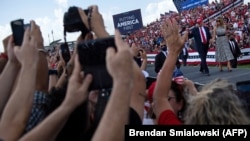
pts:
pixel 192 73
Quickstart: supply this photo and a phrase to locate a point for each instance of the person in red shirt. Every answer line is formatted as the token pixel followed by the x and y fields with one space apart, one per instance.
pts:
pixel 177 101
pixel 162 108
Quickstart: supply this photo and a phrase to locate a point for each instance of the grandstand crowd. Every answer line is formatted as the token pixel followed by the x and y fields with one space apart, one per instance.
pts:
pixel 96 90
pixel 236 18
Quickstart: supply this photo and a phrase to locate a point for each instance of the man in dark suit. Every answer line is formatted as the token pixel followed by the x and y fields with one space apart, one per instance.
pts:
pixel 161 57
pixel 184 55
pixel 202 36
pixel 235 51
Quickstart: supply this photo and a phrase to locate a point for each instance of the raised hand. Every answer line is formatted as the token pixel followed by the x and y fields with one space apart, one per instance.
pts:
pixel 120 63
pixel 10 50
pixel 78 85
pixel 27 54
pixel 5 43
pixel 95 23
pixel 175 42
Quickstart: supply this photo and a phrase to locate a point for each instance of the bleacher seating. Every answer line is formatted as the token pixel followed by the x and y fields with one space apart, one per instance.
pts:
pixel 234 12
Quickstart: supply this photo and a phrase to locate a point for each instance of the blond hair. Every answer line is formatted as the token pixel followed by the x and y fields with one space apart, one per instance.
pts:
pixel 216 103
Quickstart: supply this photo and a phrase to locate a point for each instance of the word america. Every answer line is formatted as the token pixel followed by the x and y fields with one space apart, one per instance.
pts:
pixel 173 132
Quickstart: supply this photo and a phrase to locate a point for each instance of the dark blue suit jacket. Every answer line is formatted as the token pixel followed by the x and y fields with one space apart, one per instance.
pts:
pixel 197 37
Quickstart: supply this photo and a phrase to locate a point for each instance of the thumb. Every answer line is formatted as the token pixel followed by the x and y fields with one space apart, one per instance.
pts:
pixel 86 83
pixel 10 44
pixel 17 50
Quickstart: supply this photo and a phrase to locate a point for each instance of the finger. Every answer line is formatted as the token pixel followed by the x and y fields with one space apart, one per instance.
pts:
pixel 16 50
pixel 77 66
pixel 175 25
pixel 164 25
pixel 86 83
pixel 5 41
pixel 118 40
pixel 170 26
pixel 184 37
pixel 33 25
pixel 82 13
pixel 169 23
pixel 26 36
pixel 110 52
pixel 76 71
pixel 164 28
pixel 83 16
pixel 10 41
pixel 94 8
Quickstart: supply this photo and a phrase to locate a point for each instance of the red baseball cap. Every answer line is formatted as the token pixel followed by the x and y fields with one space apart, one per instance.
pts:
pixel 199 21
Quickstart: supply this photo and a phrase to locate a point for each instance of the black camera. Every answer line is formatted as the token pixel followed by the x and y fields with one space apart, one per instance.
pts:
pixel 18 28
pixel 92 57
pixel 72 21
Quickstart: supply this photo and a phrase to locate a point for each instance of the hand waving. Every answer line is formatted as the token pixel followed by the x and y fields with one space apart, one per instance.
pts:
pixel 175 42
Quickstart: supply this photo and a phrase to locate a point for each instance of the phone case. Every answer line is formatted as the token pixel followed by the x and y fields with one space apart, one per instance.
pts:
pixel 17 27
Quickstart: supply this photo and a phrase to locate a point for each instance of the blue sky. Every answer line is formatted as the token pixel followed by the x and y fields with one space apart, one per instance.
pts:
pixel 48 14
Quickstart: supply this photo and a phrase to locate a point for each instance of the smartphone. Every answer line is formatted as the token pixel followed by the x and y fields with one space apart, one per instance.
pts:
pixel 92 57
pixel 18 28
pixel 65 52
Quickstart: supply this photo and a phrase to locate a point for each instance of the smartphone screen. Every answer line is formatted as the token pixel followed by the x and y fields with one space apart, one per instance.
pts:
pixel 17 27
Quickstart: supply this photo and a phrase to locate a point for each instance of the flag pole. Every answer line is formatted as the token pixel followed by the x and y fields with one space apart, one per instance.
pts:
pixel 52 35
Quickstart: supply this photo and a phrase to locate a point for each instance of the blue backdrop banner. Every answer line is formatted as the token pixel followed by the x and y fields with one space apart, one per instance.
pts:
pixel 190 4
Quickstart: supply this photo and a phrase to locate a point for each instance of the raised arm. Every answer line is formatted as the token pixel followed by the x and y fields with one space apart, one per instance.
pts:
pixel 214 34
pixel 9 73
pixel 4 55
pixel 119 65
pixel 17 110
pixel 175 44
pixel 96 22
pixel 138 95
pixel 77 93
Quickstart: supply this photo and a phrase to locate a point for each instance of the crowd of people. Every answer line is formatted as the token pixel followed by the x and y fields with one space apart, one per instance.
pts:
pixel 45 97
pixel 236 20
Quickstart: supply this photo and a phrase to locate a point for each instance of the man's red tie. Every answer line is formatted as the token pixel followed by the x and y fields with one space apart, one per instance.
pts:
pixel 203 36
